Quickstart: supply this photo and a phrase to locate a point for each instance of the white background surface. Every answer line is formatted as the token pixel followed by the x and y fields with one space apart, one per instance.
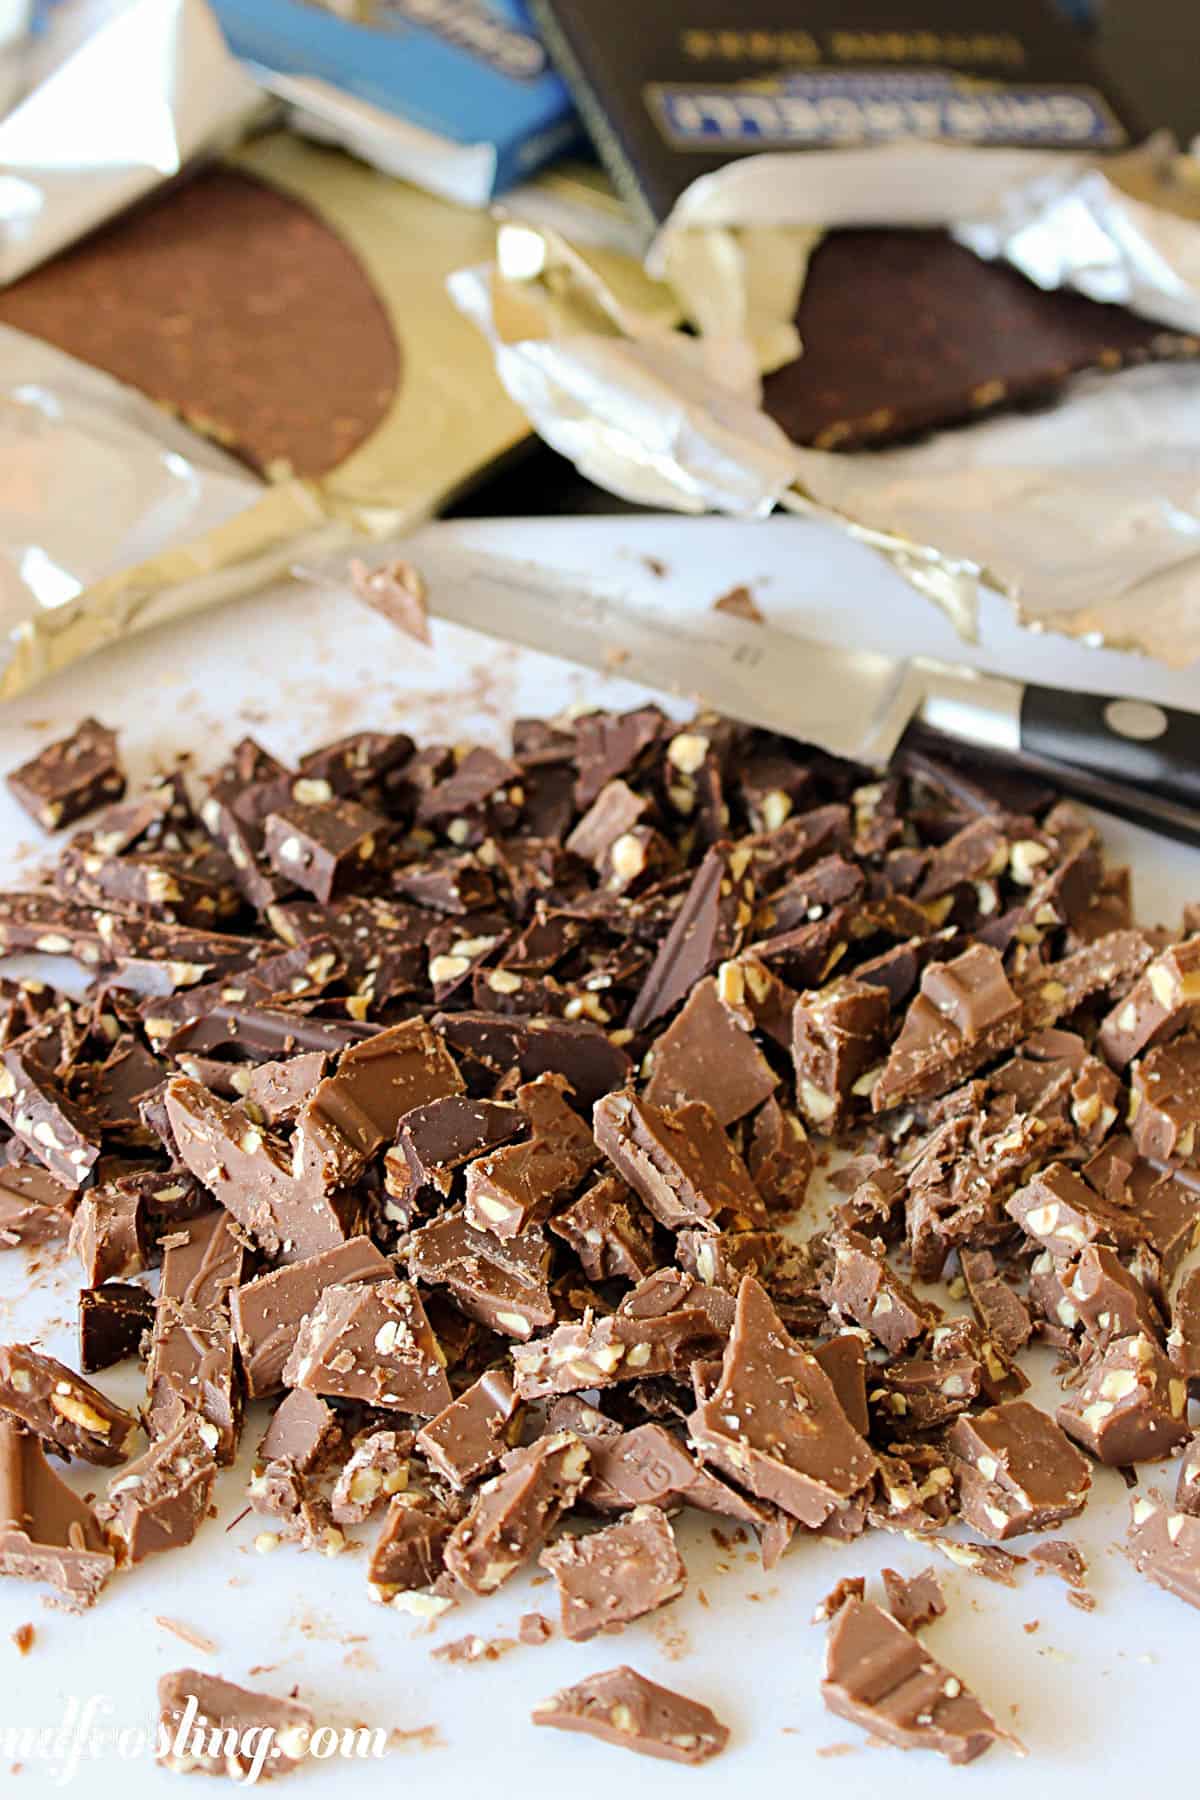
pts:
pixel 1095 1697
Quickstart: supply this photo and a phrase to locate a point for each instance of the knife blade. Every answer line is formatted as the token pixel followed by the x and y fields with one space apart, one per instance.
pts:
pixel 1132 757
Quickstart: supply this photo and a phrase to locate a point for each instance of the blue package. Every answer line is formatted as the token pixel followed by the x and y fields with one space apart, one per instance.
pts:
pixel 457 95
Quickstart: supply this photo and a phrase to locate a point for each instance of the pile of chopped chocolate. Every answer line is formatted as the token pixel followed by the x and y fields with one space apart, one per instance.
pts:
pixel 466 1109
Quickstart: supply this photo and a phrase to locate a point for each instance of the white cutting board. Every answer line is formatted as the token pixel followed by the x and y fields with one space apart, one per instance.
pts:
pixel 1089 1694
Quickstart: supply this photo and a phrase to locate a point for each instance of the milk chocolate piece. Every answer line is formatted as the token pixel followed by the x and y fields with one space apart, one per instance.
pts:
pixel 1163 1000
pixel 266 1313
pixel 574 1048
pixel 1187 1488
pixel 708 1054
pixel 1165 1101
pixel 879 1676
pixel 514 1512
pixel 47 1533
pixel 249 1172
pixel 472 1433
pixel 1183 1339
pixel 837 1036
pixel 159 1501
pixel 1109 1302
pixel 1002 1314
pixel 913 1601
pixel 70 777
pixel 303 1431
pixel 612 1576
pixel 618 1348
pixel 34 1207
pixel 779 1157
pixel 1016 1471
pixel 647 1466
pixel 1130 1406
pixel 1058 1557
pixel 681 1163
pixel 862 1287
pixel 437 1139
pixel 203 1261
pixel 193 1358
pixel 1164 1545
pixel 1062 1213
pixel 965 1014
pixel 108 1233
pixel 850 1587
pixel 502 1282
pixel 709 927
pixel 113 1319
pixel 510 1189
pixel 276 1091
pixel 209 1726
pixel 36 1108
pixel 323 847
pixel 356 1110
pixel 370 1341
pixel 621 1707
pixel 773 1421
pixel 68 1413
pixel 410 1548
pixel 608 1231
pixel 376 1469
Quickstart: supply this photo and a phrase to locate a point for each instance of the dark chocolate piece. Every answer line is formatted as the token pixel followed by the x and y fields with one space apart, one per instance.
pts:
pixel 709 927
pixel 70 777
pixel 680 1163
pixel 573 1048
pixel 610 744
pixel 879 1676
pixel 113 1320
pixel 323 847
pixel 36 1108
pixel 621 1707
pixel 47 1533
pixel 612 1576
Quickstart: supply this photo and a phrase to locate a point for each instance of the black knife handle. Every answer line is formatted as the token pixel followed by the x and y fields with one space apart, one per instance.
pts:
pixel 1136 743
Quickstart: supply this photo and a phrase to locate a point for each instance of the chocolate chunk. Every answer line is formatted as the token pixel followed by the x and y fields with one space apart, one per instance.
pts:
pixel 681 1163
pixel 47 1533
pixel 108 1232
pixel 514 1512
pixel 709 927
pixel 304 1431
pixel 212 1726
pixel 1164 1545
pixel 291 975
pixel 36 1108
pixel 1058 1557
pixel 773 1421
pixel 1130 1406
pixel 611 744
pixel 614 812
pixel 370 1341
pixel 618 1348
pixel 1183 1339
pixel 502 1282
pixel 879 1676
pixel 34 1207
pixel 1062 1213
pixel 193 1357
pixel 1165 1101
pixel 913 1601
pixel 965 1014
pixel 266 1313
pixel 708 1054
pixel 1162 1000
pixel 322 848
pixel 615 1575
pixel 1016 1471
pixel 621 1707
pixel 780 1158
pixel 837 1038
pixel 451 882
pixel 397 591
pixel 575 1049
pixel 251 1174
pixel 356 1110
pixel 647 1466
pixel 434 1141
pixel 608 1231
pixel 862 1287
pixel 844 1360
pixel 113 1320
pixel 720 1259
pixel 1108 1301
pixel 410 1549
pixel 1002 1314
pixel 70 777
pixel 69 1414
pixel 1187 1488
pixel 276 1091
pixel 473 1432
pixel 376 1469
pixel 159 1501
pixel 511 1189
pixel 850 1587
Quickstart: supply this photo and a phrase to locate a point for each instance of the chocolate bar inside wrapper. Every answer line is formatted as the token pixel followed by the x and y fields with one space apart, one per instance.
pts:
pixel 289 305
pixel 905 223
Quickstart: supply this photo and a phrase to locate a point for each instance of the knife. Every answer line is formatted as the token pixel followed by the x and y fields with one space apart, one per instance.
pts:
pixel 1132 757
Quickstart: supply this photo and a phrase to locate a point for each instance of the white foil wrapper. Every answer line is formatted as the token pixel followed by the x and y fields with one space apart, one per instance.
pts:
pixel 1086 516
pixel 145 93
pixel 114 518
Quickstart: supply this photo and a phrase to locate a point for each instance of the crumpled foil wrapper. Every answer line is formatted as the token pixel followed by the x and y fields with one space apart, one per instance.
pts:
pixel 113 518
pixel 150 88
pixel 1087 516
